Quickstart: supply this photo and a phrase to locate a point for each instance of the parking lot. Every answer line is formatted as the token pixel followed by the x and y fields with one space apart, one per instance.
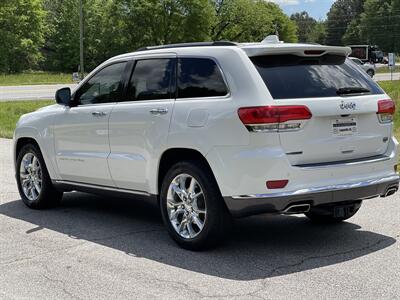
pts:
pixel 105 248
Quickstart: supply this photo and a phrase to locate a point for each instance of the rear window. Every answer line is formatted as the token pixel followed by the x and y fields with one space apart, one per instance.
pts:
pixel 199 77
pixel 291 76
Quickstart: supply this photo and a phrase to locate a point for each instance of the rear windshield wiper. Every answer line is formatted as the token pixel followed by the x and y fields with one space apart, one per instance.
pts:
pixel 352 90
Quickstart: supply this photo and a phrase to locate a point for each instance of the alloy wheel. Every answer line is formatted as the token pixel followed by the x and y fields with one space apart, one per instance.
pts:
pixel 186 206
pixel 30 176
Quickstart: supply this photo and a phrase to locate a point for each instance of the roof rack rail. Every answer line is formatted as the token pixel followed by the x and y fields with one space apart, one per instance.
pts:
pixel 195 44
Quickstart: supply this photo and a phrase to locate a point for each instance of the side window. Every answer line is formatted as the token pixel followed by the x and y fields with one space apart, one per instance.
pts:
pixel 199 77
pixel 105 86
pixel 152 79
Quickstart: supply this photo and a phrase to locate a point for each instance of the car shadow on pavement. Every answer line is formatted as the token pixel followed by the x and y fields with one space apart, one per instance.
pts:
pixel 258 247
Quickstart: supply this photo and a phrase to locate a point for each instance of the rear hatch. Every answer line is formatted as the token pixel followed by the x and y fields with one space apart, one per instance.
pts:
pixel 343 102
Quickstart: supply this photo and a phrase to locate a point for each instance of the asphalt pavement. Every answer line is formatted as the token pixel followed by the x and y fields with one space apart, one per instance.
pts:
pixel 30 92
pixel 386 76
pixel 38 92
pixel 107 248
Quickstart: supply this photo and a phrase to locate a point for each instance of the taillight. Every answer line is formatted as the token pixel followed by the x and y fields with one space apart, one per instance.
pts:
pixel 274 118
pixel 386 109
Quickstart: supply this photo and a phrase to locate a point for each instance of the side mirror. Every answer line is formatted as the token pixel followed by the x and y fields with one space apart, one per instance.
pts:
pixel 63 96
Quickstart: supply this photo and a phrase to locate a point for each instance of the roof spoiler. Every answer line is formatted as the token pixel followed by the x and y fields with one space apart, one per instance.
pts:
pixel 299 50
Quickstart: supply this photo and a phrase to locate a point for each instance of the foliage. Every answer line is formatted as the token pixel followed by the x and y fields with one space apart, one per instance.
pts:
pixel 62 36
pixel 21 34
pixel 11 111
pixel 341 14
pixel 44 34
pixel 309 30
pixel 34 78
pixel 386 69
pixel 373 22
pixel 117 26
pixel 395 21
pixel 318 35
pixel 154 22
pixel 250 21
pixel 305 24
pixel 353 33
pixel 379 22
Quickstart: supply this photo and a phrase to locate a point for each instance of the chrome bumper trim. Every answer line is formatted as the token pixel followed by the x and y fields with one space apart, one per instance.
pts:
pixel 328 188
pixel 100 187
pixel 354 162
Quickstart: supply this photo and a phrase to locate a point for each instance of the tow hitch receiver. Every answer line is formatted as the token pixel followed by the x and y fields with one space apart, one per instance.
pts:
pixel 343 210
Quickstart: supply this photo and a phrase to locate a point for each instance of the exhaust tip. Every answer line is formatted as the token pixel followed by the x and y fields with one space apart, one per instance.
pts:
pixel 390 191
pixel 297 209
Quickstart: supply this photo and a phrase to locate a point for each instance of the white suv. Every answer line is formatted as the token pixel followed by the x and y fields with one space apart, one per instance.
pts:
pixel 215 130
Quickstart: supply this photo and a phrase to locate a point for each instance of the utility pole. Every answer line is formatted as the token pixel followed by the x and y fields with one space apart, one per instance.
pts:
pixel 81 65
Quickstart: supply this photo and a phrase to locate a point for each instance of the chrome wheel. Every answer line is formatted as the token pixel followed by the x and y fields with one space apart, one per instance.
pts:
pixel 186 206
pixel 30 176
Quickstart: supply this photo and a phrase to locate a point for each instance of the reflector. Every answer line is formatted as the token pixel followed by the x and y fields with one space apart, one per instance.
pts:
pixel 277 184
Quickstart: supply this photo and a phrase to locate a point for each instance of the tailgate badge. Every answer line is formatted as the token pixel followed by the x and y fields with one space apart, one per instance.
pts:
pixel 348 105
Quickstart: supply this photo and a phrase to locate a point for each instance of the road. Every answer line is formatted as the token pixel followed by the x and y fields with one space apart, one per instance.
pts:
pixel 37 92
pixel 30 92
pixel 386 76
pixel 105 248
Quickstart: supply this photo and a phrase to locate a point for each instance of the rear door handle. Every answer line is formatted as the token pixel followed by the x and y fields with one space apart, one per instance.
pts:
pixel 159 111
pixel 99 113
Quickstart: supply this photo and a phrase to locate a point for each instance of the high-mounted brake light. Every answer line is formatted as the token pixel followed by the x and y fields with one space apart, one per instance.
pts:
pixel 313 52
pixel 386 110
pixel 274 118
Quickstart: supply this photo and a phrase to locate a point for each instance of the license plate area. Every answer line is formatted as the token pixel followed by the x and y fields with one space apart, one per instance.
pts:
pixel 344 126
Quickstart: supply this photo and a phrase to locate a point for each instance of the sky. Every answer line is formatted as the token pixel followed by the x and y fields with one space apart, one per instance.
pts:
pixel 315 8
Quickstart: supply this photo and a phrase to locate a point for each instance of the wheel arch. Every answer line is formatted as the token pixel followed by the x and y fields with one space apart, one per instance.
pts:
pixel 21 142
pixel 174 155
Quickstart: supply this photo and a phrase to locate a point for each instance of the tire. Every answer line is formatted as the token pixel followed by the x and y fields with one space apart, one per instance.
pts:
pixel 37 191
pixel 371 73
pixel 174 204
pixel 326 214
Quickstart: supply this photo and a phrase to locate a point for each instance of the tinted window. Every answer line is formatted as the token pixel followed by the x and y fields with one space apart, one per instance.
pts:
pixel 290 76
pixel 151 79
pixel 103 87
pixel 199 77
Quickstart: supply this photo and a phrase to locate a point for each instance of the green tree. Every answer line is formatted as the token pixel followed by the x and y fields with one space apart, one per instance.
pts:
pixel 61 49
pixel 395 21
pixel 251 21
pixel 353 33
pixel 340 15
pixel 318 34
pixel 285 28
pixel 305 24
pixel 62 39
pixel 376 25
pixel 155 22
pixel 118 26
pixel 21 34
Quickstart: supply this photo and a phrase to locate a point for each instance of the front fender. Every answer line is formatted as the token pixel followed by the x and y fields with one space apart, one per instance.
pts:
pixel 44 139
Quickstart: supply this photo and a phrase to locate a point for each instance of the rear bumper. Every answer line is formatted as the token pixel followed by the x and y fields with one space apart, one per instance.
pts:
pixel 245 205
